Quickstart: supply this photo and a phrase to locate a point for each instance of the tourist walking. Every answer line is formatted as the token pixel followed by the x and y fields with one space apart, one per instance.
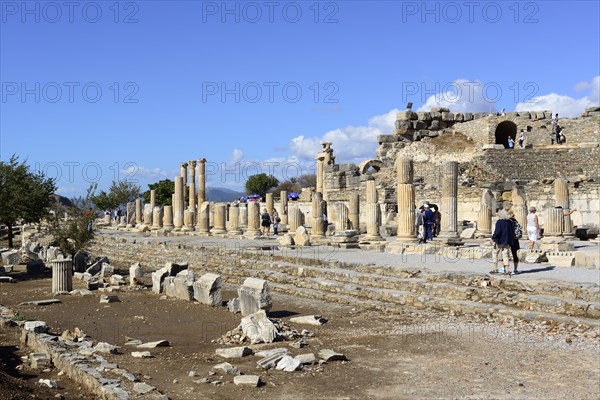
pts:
pixel 522 139
pixel 533 228
pixel 429 222
pixel 514 247
pixel 265 222
pixel 503 238
pixel 276 221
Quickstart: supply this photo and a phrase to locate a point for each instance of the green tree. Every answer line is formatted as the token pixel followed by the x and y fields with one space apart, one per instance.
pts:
pixel 260 184
pixel 25 196
pixel 164 192
pixel 76 232
pixel 118 194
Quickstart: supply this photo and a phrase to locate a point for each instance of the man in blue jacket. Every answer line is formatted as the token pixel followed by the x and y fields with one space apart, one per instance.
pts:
pixel 428 221
pixel 503 237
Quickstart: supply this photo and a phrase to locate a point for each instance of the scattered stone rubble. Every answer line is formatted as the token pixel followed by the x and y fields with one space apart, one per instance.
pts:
pixel 78 358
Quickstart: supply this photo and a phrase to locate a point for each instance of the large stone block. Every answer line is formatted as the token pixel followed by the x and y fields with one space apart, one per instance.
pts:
pixel 136 275
pixel 97 266
pixel 207 289
pixel 158 277
pixel 184 285
pixel 11 257
pixel 168 286
pixel 254 296
pixel 258 328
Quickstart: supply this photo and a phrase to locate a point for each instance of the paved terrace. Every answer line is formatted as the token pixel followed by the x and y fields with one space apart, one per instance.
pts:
pixel 431 262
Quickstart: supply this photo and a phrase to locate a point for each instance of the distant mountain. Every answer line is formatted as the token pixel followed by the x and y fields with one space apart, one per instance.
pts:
pixel 222 194
pixel 62 200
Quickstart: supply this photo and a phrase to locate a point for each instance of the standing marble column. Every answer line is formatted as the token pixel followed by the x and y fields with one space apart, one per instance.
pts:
pixel 168 218
pixel 484 218
pixel 373 213
pixel 183 172
pixel 317 230
pixel 269 204
pixel 295 219
pixel 157 217
pixel 354 211
pixel 553 225
pixel 178 204
pixel 130 214
pixel 253 231
pixel 201 180
pixel 320 173
pixel 519 206
pixel 283 210
pixel 341 217
pixel 138 212
pixel 449 233
pixel 147 214
pixel 62 275
pixel 220 214
pixel 405 199
pixel 234 221
pixel 561 193
pixel 243 216
pixel 202 222
pixel 192 186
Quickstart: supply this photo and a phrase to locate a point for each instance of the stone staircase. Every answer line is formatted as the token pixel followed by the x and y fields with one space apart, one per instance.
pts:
pixel 381 287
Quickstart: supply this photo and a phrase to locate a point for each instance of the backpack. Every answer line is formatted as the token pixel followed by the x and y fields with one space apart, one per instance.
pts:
pixel 518 229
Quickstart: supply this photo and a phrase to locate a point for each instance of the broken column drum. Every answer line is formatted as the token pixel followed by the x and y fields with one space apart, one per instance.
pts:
pixel 62 275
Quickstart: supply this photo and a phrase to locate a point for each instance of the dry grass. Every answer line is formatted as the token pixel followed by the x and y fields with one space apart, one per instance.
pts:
pixel 453 143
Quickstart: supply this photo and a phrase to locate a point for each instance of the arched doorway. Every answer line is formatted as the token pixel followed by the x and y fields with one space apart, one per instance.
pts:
pixel 504 130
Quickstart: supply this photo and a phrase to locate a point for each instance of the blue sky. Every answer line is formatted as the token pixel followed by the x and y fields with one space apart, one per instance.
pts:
pixel 101 90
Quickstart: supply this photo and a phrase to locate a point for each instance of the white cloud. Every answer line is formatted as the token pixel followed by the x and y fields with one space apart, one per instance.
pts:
pixel 133 172
pixel 350 144
pixel 236 156
pixel 566 106
pixel 463 96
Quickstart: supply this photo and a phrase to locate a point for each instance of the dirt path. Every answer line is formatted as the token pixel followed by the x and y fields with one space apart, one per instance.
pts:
pixel 415 354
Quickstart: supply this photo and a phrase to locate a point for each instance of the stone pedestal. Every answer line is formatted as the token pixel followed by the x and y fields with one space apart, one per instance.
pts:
pixel 406 206
pixel 168 218
pixel 354 211
pixel 253 231
pixel 283 212
pixel 484 218
pixel 202 221
pixel 234 221
pixel 219 224
pixel 62 275
pixel 449 232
